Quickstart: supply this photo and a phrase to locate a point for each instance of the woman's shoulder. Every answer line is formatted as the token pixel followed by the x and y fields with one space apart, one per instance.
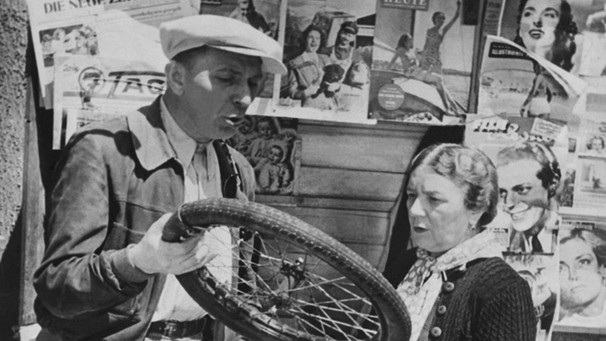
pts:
pixel 494 274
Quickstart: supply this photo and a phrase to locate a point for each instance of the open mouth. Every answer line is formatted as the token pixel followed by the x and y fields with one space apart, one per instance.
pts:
pixel 535 34
pixel 236 120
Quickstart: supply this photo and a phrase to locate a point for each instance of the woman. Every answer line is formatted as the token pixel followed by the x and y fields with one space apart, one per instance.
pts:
pixel 405 53
pixel 455 284
pixel 411 69
pixel 583 278
pixel 305 71
pixel 545 28
pixel 430 56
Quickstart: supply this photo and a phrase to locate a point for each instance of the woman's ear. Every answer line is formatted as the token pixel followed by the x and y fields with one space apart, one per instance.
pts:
pixel 175 77
pixel 474 217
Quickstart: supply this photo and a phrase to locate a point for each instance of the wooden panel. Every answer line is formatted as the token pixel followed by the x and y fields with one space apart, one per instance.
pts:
pixel 374 254
pixel 339 183
pixel 383 147
pixel 381 154
pixel 346 226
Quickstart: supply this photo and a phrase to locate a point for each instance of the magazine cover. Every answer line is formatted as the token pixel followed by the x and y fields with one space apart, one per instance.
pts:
pixel 582 305
pixel 327 50
pixel 529 155
pixel 541 274
pixel 517 83
pixel 422 62
pixel 569 34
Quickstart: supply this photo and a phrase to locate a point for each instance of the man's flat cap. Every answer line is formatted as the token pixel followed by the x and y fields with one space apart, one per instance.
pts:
pixel 221 33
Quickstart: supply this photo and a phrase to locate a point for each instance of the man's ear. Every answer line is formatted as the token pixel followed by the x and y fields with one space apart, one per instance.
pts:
pixel 175 77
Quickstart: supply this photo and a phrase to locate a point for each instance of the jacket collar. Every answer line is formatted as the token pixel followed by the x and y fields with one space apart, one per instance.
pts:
pixel 149 137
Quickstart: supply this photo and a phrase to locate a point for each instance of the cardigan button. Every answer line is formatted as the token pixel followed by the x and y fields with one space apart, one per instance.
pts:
pixel 442 310
pixel 449 286
pixel 435 332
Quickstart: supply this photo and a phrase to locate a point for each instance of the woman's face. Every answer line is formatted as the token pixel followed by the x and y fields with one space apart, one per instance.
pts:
pixel 580 277
pixel 438 217
pixel 538 23
pixel 597 144
pixel 312 42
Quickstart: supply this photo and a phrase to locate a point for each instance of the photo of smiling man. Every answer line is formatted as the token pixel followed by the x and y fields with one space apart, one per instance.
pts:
pixel 529 177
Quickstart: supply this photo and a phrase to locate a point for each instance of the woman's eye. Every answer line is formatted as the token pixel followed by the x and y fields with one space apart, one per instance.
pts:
pixel 585 261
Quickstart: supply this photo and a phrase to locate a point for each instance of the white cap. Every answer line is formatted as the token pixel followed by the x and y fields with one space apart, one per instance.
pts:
pixel 221 33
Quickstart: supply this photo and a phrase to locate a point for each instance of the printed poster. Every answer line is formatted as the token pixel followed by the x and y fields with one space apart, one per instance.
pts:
pixel 422 63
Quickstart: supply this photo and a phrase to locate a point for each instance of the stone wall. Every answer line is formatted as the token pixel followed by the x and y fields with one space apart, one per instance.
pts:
pixel 13 35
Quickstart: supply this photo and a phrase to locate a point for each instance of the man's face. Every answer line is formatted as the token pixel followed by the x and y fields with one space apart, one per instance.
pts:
pixel 345 39
pixel 216 92
pixel 522 194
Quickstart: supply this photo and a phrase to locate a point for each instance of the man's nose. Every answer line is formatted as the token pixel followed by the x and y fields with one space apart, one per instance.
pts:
pixel 243 96
pixel 511 200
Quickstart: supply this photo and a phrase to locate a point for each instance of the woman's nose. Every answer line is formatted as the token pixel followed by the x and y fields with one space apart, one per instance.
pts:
pixel 538 22
pixel 416 209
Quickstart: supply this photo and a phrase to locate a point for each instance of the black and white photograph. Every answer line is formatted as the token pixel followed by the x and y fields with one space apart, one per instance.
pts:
pixel 422 63
pixel 327 50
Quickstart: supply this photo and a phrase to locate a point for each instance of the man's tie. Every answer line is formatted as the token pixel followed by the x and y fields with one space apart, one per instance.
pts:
pixel 536 244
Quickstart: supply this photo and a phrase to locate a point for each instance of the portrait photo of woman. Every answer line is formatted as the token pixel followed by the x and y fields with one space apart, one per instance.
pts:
pixel 306 70
pixel 583 278
pixel 546 29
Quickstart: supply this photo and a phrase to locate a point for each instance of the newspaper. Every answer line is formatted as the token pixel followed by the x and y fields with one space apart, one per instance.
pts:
pixel 422 62
pixel 89 88
pixel 517 83
pixel 104 28
pixel 329 67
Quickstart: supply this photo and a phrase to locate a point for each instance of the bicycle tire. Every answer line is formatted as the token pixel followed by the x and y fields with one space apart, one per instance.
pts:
pixel 249 319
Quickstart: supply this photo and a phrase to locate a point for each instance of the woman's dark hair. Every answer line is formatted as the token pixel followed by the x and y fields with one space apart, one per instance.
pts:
pixel 470 169
pixel 596 137
pixel 564 46
pixel 435 15
pixel 404 39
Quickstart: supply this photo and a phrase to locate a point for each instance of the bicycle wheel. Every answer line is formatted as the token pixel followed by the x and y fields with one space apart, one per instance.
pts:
pixel 294 281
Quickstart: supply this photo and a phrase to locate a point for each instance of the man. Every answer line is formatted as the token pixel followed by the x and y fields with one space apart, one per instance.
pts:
pixel 343 52
pixel 529 176
pixel 106 273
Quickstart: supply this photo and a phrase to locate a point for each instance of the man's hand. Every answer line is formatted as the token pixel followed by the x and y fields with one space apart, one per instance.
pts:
pixel 153 255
